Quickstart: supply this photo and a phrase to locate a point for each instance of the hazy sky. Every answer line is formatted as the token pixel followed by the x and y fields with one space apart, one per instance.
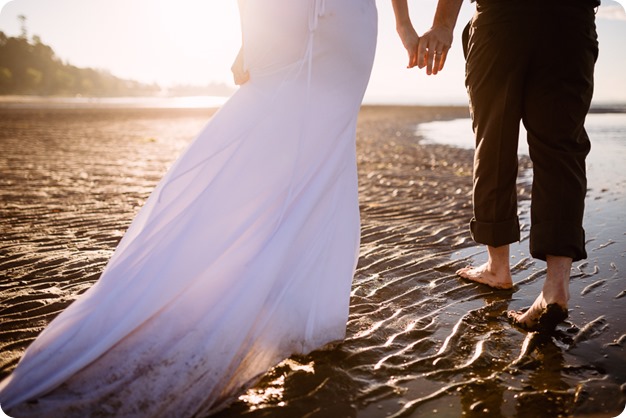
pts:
pixel 194 42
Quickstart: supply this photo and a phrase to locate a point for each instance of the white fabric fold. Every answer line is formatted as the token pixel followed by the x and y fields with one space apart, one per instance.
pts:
pixel 245 251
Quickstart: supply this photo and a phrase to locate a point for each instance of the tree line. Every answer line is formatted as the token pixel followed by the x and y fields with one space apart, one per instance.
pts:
pixel 30 67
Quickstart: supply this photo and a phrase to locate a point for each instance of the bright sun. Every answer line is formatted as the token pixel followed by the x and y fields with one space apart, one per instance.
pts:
pixel 201 31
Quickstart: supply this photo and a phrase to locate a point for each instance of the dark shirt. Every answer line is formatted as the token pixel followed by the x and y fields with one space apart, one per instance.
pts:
pixel 594 3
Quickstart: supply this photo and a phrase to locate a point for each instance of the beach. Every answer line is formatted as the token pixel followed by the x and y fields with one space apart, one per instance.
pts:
pixel 420 341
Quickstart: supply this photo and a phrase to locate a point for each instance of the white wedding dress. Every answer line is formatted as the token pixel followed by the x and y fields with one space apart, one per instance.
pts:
pixel 245 251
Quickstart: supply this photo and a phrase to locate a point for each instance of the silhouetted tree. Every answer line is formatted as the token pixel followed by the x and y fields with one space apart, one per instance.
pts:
pixel 22 20
pixel 33 68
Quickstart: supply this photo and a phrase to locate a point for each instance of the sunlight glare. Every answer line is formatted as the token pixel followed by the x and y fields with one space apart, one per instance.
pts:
pixel 202 31
pixel 272 393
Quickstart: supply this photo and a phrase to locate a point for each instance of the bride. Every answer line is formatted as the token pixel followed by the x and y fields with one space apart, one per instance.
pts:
pixel 244 252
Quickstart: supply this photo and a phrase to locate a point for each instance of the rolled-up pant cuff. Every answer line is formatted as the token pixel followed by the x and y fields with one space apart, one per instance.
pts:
pixel 495 234
pixel 557 238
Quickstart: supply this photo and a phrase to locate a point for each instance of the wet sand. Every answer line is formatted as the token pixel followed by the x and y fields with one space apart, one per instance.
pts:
pixel 421 341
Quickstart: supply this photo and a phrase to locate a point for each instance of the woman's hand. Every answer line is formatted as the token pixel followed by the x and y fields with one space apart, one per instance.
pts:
pixel 240 75
pixel 411 41
pixel 405 30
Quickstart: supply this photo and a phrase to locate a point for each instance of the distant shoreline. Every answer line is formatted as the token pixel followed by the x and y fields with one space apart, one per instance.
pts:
pixel 135 102
pixel 209 102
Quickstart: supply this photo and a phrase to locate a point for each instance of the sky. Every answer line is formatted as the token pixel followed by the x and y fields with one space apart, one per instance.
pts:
pixel 194 42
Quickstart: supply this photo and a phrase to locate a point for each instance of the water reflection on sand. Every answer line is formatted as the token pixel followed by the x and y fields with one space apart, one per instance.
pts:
pixel 420 341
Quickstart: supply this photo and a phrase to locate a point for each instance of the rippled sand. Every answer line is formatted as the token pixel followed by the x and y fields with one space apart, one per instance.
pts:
pixel 421 342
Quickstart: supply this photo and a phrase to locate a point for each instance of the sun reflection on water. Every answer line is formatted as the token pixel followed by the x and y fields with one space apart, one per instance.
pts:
pixel 272 393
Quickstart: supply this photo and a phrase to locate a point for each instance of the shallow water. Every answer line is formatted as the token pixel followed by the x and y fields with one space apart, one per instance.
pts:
pixel 424 343
pixel 420 341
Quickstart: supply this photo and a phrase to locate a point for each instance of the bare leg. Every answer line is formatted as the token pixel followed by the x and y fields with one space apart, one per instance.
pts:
pixel 496 272
pixel 555 292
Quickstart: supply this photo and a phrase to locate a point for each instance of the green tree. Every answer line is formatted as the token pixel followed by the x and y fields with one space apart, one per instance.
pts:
pixel 31 67
pixel 24 31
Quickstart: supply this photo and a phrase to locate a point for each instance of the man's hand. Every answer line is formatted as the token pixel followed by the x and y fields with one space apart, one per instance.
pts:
pixel 435 44
pixel 433 49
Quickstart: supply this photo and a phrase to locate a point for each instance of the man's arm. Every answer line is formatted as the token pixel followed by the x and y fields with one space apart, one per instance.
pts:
pixel 436 42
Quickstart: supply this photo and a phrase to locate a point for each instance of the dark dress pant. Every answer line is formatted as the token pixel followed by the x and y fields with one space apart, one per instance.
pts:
pixel 531 61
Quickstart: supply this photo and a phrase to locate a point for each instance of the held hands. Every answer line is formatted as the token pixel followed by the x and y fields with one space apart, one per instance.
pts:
pixel 430 51
pixel 433 48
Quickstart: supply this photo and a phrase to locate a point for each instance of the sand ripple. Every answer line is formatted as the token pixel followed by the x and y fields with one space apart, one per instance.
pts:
pixel 420 340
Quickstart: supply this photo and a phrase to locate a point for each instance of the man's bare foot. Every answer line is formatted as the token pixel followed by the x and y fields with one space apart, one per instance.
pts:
pixel 550 307
pixel 483 274
pixel 495 272
pixel 541 316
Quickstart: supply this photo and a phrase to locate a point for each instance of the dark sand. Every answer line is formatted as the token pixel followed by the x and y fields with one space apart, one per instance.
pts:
pixel 421 342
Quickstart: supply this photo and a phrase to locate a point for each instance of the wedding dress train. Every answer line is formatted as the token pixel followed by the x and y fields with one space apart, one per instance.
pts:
pixel 245 251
